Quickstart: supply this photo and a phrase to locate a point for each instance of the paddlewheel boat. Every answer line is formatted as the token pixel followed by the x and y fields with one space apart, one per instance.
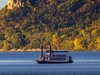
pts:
pixel 57 56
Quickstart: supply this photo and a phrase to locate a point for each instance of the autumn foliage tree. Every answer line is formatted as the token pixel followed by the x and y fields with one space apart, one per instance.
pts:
pixel 65 24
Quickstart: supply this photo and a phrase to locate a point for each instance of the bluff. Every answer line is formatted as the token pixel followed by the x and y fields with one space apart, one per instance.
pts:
pixel 65 24
pixel 16 3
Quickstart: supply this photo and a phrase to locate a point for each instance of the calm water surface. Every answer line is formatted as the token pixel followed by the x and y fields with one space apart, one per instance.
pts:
pixel 22 63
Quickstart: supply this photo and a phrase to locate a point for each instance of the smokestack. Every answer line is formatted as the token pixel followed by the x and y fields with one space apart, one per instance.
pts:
pixel 50 50
pixel 42 50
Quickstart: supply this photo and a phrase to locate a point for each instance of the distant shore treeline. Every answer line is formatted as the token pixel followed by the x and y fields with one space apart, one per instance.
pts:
pixel 65 24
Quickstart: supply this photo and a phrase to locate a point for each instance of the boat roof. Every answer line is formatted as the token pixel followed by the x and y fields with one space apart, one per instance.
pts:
pixel 58 51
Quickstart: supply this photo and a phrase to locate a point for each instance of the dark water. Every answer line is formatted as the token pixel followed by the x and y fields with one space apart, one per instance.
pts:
pixel 21 63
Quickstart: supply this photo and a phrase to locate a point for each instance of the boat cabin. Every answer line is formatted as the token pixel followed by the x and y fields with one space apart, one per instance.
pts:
pixel 54 56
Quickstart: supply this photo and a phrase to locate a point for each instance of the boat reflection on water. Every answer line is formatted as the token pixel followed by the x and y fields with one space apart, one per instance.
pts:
pixel 54 56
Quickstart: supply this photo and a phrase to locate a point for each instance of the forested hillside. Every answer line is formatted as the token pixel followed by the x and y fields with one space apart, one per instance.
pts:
pixel 65 24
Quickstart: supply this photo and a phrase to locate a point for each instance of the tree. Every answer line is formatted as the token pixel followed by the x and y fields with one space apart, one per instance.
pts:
pixel 98 43
pixel 56 41
pixel 77 44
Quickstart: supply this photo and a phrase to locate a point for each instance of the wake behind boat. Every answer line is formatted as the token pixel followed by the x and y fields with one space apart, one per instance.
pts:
pixel 57 56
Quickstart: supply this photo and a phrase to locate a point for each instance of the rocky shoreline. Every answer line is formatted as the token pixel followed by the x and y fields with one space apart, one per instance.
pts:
pixel 29 50
pixel 20 50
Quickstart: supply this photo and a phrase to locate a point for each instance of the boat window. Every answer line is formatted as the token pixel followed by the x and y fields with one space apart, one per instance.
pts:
pixel 59 55
pixel 57 58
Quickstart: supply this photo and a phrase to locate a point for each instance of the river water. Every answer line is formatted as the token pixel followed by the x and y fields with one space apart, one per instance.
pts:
pixel 22 63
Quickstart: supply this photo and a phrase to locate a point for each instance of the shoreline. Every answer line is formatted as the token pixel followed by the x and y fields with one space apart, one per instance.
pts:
pixel 20 50
pixel 38 50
